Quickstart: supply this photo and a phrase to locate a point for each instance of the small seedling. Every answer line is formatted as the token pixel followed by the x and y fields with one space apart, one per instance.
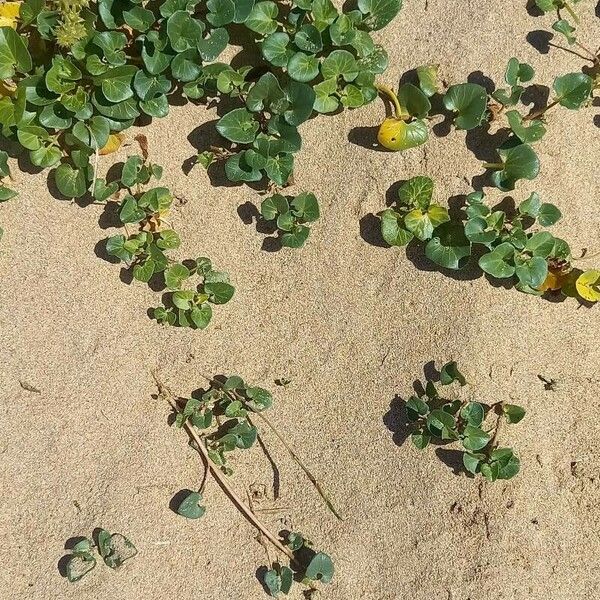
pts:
pixel 436 419
pixel 220 420
pixel 192 307
pixel 567 25
pixel 291 215
pixel 509 245
pixel 144 251
pixel 113 548
pixel 309 567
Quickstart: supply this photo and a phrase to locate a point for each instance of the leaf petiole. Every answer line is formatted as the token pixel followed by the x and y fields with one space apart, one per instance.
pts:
pixel 570 10
pixel 387 91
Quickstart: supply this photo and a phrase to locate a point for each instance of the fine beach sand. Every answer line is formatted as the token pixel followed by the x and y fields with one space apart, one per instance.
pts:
pixel 350 323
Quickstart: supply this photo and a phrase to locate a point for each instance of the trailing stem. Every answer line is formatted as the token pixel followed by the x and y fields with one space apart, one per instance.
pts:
pixel 391 95
pixel 292 453
pixel 219 477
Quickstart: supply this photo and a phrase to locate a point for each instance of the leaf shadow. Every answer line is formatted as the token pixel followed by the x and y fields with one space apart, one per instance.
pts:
pixel 178 498
pixel 249 213
pixel 453 459
pixel 533 10
pixel 396 420
pixel 366 137
pixel 540 40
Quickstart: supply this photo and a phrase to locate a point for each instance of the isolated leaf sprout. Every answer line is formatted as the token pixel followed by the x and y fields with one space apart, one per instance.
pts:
pixel 437 419
pixel 221 420
pixel 192 307
pixel 291 215
pixel 113 548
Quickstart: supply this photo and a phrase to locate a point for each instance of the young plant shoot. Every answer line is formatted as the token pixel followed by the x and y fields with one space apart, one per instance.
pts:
pixel 113 548
pixel 446 421
pixel 291 215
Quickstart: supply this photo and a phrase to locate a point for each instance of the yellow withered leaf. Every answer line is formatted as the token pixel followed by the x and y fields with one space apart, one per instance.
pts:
pixel 554 281
pixel 9 13
pixel 114 143
pixel 588 285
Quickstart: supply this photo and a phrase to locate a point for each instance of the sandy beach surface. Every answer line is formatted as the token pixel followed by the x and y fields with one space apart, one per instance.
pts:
pixel 350 323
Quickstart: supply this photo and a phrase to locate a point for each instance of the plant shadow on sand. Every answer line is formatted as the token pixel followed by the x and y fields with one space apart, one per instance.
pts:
pixel 249 214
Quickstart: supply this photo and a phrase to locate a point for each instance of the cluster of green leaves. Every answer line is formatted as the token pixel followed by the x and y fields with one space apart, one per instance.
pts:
pixel 291 215
pixel 186 307
pixel 469 106
pixel 113 548
pixel 438 419
pixel 143 251
pixel 79 74
pixel 309 567
pixel 222 413
pixel 507 243
pixel 318 60
pixel 68 100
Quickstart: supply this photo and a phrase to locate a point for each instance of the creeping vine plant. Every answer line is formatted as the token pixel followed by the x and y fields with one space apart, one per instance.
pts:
pixel 113 548
pixel 220 421
pixel 145 250
pixel 508 245
pixel 438 419
pixel 77 72
pixel 469 106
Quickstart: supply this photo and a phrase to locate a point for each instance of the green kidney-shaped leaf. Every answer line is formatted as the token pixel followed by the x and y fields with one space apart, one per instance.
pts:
pixel 518 162
pixel 238 126
pixel 190 506
pixel 393 230
pixel 303 67
pixel 449 247
pixel 378 13
pixel 499 262
pixel 262 18
pixel 320 568
pixel 513 412
pixel 469 100
pixel 14 55
pixel 573 90
pixel 71 182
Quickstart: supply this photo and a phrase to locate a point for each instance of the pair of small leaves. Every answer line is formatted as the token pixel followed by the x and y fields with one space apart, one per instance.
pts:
pixel 114 549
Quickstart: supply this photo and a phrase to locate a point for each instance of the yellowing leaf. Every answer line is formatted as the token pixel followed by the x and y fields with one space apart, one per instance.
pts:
pixel 114 143
pixel 554 281
pixel 588 285
pixel 7 88
pixel 395 134
pixel 9 12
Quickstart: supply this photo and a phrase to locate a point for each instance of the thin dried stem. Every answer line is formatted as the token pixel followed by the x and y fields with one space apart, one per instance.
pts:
pixel 291 451
pixel 220 478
